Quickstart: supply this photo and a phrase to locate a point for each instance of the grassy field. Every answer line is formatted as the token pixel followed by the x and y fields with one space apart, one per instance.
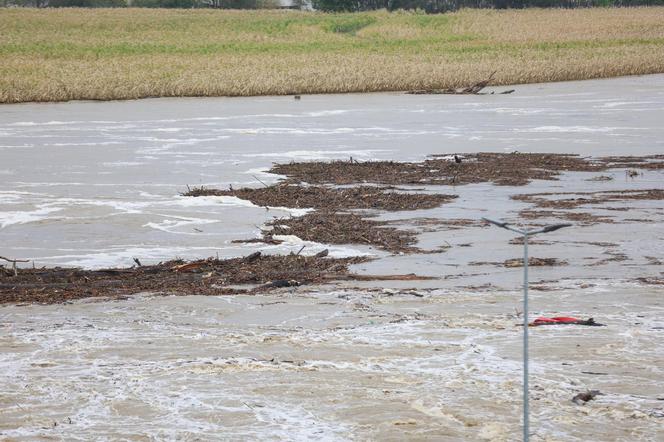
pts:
pixel 65 54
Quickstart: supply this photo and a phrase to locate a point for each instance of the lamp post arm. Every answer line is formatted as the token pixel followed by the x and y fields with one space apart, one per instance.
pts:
pixel 504 225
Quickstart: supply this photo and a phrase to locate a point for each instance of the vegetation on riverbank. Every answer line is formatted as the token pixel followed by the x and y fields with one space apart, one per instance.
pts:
pixel 55 55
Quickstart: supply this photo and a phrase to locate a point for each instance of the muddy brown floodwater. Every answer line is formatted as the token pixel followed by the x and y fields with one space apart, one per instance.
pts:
pixel 380 307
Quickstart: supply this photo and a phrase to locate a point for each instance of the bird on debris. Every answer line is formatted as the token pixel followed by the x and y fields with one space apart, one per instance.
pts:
pixel 457 159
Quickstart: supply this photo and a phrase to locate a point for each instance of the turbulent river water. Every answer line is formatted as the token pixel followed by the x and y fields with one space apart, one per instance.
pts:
pixel 96 184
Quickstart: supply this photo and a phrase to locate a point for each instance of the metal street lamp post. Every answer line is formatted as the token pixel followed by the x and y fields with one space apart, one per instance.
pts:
pixel 525 234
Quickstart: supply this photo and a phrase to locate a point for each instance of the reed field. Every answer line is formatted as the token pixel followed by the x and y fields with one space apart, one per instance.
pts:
pixel 102 54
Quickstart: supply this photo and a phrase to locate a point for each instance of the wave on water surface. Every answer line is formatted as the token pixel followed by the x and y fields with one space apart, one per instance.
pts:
pixel 571 129
pixel 9 218
pixel 317 154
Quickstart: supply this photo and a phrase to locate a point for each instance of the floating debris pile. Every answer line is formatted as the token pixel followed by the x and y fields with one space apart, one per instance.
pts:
pixel 330 199
pixel 518 262
pixel 572 200
pixel 511 169
pixel 514 169
pixel 202 277
pixel 346 228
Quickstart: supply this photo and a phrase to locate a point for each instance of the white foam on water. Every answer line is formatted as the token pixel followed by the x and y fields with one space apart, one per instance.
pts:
pixel 315 114
pixel 168 129
pixel 496 432
pixel 614 104
pixel 145 194
pixel 328 113
pixel 212 200
pixel 354 131
pixel 122 256
pixel 173 223
pixel 17 146
pixel 144 123
pixel 123 164
pixel 64 123
pixel 573 129
pixel 18 197
pixel 51 184
pixel 226 118
pixel 289 421
pixel 522 111
pixel 311 248
pixel 289 131
pixel 123 206
pixel 104 143
pixel 29 123
pixel 317 154
pixel 11 198
pixel 9 218
pixel 228 201
pixel 155 139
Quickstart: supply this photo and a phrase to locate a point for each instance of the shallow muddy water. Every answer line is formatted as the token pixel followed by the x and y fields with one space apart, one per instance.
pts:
pixel 331 364
pixel 97 184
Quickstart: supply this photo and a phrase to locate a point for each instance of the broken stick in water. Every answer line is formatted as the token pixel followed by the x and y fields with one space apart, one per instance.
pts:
pixel 14 261
pixel 474 89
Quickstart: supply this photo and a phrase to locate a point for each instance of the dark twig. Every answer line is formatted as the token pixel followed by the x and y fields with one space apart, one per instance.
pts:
pixel 257 179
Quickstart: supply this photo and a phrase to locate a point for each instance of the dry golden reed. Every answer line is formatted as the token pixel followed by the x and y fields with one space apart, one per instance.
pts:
pixel 102 54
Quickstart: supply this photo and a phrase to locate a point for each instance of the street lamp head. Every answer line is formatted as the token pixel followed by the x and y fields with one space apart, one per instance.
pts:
pixel 545 229
pixel 553 227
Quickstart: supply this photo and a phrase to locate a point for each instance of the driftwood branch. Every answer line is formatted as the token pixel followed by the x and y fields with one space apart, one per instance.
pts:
pixel 477 87
pixel 14 261
pixel 474 89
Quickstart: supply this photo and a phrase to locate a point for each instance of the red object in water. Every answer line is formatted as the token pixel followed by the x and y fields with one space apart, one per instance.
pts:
pixel 557 320
pixel 564 320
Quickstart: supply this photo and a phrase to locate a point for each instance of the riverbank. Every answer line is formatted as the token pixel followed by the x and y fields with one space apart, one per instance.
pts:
pixel 76 54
